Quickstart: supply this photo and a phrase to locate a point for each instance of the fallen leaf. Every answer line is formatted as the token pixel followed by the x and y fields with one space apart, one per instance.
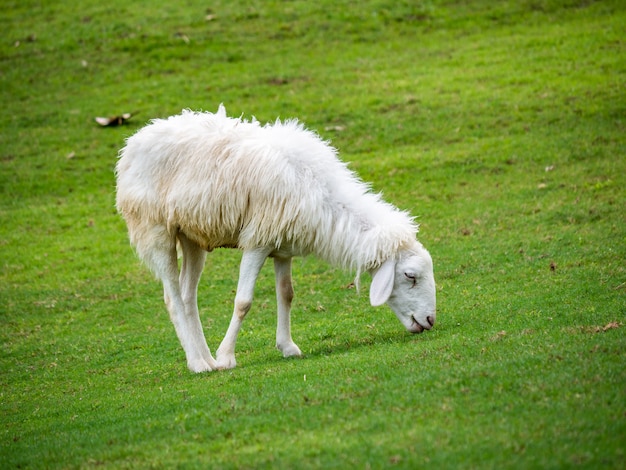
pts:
pixel 29 38
pixel 610 326
pixel 498 336
pixel 183 36
pixel 113 121
pixel 278 81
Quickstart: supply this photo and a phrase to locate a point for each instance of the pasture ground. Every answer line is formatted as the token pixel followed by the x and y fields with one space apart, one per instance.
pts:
pixel 501 125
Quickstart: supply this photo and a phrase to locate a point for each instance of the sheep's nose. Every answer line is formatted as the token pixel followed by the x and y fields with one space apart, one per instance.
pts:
pixel 431 320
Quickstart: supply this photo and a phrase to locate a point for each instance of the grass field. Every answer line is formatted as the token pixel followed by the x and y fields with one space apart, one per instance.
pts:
pixel 501 125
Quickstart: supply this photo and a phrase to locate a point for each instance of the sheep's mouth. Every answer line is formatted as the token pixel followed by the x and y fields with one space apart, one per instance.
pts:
pixel 417 328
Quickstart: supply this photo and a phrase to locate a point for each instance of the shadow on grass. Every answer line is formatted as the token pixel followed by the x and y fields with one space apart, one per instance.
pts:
pixel 373 340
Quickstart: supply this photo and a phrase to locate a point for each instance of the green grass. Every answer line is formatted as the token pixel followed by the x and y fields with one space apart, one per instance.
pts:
pixel 502 125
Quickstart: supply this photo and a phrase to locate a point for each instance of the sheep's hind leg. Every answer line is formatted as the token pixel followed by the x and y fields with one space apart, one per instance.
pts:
pixel 284 297
pixel 192 265
pixel 251 264
pixel 157 247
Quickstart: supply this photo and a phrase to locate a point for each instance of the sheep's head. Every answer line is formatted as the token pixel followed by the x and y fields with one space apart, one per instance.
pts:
pixel 407 285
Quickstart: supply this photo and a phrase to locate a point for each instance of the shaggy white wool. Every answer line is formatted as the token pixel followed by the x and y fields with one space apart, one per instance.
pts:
pixel 230 182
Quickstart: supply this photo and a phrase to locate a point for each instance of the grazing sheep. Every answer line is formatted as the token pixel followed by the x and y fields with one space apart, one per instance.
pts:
pixel 205 181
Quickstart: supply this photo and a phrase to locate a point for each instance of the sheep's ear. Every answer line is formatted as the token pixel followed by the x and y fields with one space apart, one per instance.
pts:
pixel 382 283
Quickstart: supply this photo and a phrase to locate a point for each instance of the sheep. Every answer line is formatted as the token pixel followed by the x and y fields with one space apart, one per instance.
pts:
pixel 199 181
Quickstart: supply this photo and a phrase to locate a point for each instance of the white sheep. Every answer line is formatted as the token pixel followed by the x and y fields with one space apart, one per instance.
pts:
pixel 205 181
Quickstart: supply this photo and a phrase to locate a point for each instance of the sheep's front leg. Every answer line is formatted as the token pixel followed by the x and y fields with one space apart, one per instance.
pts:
pixel 251 264
pixel 284 297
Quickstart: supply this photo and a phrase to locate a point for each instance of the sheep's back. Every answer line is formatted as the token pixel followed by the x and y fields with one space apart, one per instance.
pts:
pixel 227 182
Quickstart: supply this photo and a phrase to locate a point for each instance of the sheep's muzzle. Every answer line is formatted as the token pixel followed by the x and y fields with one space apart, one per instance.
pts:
pixel 418 328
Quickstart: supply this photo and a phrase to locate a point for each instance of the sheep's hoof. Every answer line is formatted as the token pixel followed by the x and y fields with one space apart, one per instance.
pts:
pixel 199 365
pixel 290 350
pixel 226 362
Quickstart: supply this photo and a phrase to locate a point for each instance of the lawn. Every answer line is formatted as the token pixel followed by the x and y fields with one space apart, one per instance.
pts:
pixel 500 125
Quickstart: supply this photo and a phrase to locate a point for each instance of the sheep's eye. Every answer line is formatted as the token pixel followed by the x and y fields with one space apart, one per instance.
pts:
pixel 411 277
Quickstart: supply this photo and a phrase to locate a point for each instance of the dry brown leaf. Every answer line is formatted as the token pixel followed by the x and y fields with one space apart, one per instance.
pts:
pixel 610 326
pixel 113 121
pixel 498 336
